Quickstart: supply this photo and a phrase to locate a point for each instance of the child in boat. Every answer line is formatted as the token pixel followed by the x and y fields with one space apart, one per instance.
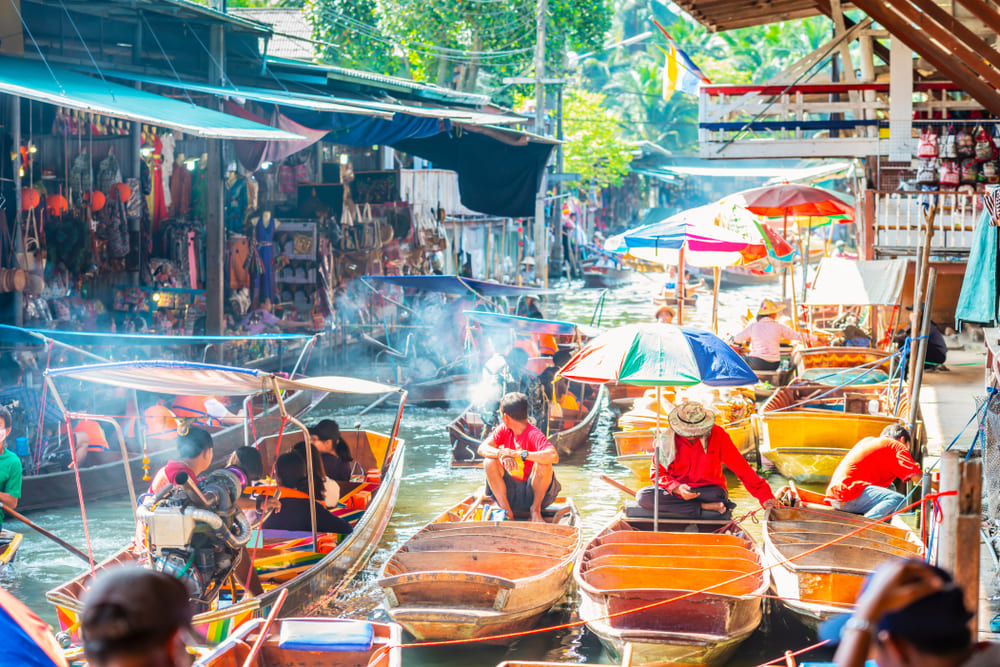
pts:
pixel 291 471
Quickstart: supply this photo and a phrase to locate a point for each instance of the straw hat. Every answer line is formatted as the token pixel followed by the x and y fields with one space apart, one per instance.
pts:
pixel 664 309
pixel 691 419
pixel 768 307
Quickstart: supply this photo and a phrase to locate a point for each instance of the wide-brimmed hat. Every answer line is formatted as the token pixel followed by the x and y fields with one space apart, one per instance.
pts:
pixel 528 260
pixel 691 419
pixel 768 307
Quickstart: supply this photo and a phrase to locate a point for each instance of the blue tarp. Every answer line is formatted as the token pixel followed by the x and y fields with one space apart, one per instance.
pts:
pixel 30 399
pixel 355 130
pixel 456 285
pixel 978 300
pixel 31 337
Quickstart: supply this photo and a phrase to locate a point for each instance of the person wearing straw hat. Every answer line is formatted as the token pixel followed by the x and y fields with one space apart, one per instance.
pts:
pixel 664 315
pixel 689 480
pixel 765 335
pixel 526 274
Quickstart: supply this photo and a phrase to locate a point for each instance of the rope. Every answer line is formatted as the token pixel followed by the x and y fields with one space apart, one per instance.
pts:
pixel 37 48
pixel 79 491
pixel 87 49
pixel 866 524
pixel 41 412
pixel 165 56
pixel 789 654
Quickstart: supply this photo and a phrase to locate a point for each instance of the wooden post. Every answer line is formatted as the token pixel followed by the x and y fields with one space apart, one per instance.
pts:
pixel 503 249
pixel 920 283
pixel 944 552
pixel 717 277
pixel 921 354
pixel 967 537
pixel 680 287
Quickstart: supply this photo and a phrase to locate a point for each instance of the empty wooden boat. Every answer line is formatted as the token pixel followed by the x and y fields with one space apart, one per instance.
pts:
pixel 628 567
pixel 463 578
pixel 825 582
pixel 806 429
pixel 312 642
pixel 831 365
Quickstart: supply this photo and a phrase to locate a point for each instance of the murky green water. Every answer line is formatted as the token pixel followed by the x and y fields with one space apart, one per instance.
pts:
pixel 430 485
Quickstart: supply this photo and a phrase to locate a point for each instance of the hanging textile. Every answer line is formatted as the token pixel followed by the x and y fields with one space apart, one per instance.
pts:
pixel 977 301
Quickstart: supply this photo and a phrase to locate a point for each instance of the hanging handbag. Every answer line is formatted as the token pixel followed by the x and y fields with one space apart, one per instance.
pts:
pixel 988 172
pixel 965 146
pixel 969 171
pixel 949 145
pixel 985 148
pixel 927 146
pixel 927 172
pixel 949 176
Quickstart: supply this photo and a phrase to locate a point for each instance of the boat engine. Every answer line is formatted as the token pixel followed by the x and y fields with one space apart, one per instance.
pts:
pixel 196 531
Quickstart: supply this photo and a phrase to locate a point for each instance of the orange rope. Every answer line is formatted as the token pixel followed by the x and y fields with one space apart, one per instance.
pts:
pixel 79 491
pixel 683 596
pixel 789 654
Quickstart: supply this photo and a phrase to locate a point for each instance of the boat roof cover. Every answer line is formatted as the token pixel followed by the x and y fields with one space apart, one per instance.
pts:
pixel 522 324
pixel 195 379
pixel 34 336
pixel 457 285
pixel 857 283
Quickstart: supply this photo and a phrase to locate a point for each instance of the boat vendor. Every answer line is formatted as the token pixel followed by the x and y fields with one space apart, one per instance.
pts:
pixel 207 411
pixel 860 484
pixel 134 616
pixel 526 274
pixel 518 461
pixel 10 466
pixel 669 290
pixel 293 482
pixel 765 335
pixel 664 315
pixel 690 481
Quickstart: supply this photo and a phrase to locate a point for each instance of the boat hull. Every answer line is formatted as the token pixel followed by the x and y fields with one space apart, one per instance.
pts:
pixel 605 277
pixel 58 489
pixel 459 579
pixel 10 542
pixel 440 392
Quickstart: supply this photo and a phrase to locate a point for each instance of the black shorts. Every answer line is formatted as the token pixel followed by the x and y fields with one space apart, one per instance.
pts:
pixel 520 495
pixel 758 364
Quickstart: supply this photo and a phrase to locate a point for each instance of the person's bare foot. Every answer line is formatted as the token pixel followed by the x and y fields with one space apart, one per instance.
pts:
pixel 536 516
pixel 714 507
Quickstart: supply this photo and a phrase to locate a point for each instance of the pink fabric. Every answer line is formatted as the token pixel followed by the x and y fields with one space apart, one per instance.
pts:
pixel 765 338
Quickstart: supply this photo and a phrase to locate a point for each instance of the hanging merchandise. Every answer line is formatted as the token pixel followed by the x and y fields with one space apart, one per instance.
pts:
pixel 199 191
pixel 31 256
pixel 180 189
pixel 927 172
pixel 236 202
pixel 286 179
pixel 167 143
pixel 969 171
pixel 158 208
pixel 81 177
pixel 95 199
pixel 988 172
pixel 112 224
pixel 985 148
pixel 108 172
pixel 949 174
pixel 927 146
pixel 966 147
pixel 263 281
pixel 30 199
pixel 949 145
pixel 56 205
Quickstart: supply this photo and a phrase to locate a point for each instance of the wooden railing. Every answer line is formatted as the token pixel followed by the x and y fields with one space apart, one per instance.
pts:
pixel 895 222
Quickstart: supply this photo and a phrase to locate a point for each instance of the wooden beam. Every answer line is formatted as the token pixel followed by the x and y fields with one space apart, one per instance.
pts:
pixel 963 35
pixel 957 72
pixel 881 50
pixel 970 490
pixel 917 13
pixel 984 13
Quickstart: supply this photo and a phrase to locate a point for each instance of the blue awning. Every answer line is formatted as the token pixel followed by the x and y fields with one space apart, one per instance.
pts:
pixel 66 88
pixel 457 285
pixel 37 336
pixel 522 324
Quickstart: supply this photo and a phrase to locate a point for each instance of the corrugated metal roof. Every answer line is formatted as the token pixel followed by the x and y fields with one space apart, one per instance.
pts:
pixel 284 21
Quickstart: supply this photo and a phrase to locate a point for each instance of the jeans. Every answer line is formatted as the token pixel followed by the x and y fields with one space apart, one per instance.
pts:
pixel 874 502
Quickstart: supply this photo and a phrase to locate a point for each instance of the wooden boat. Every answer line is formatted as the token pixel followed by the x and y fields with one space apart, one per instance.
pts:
pixel 464 578
pixel 622 396
pixel 605 277
pixel 806 442
pixel 57 488
pixel 567 434
pixel 826 582
pixel 690 300
pixel 737 276
pixel 628 567
pixel 838 365
pixel 439 392
pixel 633 449
pixel 316 642
pixel 9 544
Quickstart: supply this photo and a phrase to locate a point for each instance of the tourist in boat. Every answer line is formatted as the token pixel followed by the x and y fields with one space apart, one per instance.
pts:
pixel 161 422
pixel 912 614
pixel 840 251
pixel 860 484
pixel 292 475
pixel 10 466
pixel 333 451
pixel 194 456
pixel 90 443
pixel 252 502
pixel 664 315
pixel 690 481
pixel 669 290
pixel 518 460
pixel 136 616
pixel 765 336
pixel 330 487
pixel 206 411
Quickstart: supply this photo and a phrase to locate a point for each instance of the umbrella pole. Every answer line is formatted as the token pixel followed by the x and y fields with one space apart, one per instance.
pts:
pixel 680 286
pixel 656 465
pixel 805 264
pixel 784 273
pixel 716 274
pixel 795 305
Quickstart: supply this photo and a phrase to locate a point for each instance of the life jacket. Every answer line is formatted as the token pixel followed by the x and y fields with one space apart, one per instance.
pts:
pixel 161 423
pixel 569 402
pixel 96 441
pixel 547 345
pixel 194 406
pixel 528 345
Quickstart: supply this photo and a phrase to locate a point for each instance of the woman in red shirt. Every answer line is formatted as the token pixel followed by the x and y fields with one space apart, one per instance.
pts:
pixel 690 480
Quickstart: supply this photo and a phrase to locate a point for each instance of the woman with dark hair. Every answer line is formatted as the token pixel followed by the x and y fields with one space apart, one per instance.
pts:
pixel 291 471
pixel 335 453
pixel 249 461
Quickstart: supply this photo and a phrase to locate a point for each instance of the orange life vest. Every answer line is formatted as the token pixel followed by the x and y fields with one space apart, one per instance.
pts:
pixel 161 423
pixel 194 406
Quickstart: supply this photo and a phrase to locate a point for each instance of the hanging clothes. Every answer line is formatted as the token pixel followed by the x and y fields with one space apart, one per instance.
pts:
pixel 180 192
pixel 199 193
pixel 236 206
pixel 239 250
pixel 157 207
pixel 263 282
pixel 167 142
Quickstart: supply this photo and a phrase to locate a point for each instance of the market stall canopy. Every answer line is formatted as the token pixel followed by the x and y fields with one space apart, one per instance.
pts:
pixel 857 283
pixel 528 324
pixel 27 336
pixel 50 83
pixel 194 379
pixel 457 285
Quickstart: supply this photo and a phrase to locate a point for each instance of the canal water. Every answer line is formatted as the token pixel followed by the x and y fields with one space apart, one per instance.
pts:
pixel 431 485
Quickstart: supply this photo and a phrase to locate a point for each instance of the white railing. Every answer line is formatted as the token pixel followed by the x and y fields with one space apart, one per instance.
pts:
pixel 897 221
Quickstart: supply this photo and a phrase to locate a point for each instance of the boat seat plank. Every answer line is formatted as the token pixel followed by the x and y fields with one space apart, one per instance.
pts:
pixel 487 543
pixel 836 524
pixel 841 557
pixel 546 531
pixel 899 547
pixel 615 580
pixel 745 565
pixel 511 566
pixel 643 537
pixel 667 550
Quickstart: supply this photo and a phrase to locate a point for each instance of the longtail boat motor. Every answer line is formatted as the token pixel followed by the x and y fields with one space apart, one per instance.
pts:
pixel 196 531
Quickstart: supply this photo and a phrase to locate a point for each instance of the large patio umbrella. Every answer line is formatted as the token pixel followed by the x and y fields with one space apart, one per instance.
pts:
pixel 27 639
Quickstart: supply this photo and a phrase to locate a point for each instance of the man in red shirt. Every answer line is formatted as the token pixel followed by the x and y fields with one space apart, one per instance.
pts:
pixel 518 461
pixel 690 481
pixel 860 483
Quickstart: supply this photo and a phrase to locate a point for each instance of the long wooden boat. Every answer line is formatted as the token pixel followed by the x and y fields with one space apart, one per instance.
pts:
pixel 832 365
pixel 461 577
pixel 57 488
pixel 311 578
pixel 316 642
pixel 735 276
pixel 9 544
pixel 439 392
pixel 690 300
pixel 628 567
pixel 633 449
pixel 622 396
pixel 605 277
pixel 566 434
pixel 820 584
pixel 806 429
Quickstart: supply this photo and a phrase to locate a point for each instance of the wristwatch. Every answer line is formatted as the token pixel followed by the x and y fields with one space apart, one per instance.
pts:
pixel 524 454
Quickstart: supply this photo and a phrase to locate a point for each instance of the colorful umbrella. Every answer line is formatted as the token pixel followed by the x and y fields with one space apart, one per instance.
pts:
pixel 658 355
pixel 790 199
pixel 27 639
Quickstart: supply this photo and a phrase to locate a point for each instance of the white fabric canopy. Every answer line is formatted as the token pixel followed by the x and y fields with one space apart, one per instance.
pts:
pixel 857 283
pixel 193 379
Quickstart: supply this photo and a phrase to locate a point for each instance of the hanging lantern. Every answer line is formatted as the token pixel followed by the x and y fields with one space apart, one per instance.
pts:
pixel 124 191
pixel 30 198
pixel 56 204
pixel 95 199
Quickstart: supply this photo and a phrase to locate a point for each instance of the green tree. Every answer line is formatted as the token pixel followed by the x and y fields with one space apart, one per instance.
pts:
pixel 594 145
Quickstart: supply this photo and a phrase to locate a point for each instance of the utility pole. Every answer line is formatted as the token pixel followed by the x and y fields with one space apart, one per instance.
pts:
pixel 541 249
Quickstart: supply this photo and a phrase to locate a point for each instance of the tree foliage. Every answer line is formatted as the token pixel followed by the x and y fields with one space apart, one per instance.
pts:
pixel 594 146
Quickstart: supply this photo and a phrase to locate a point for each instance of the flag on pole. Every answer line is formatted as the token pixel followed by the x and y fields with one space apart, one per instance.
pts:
pixel 679 72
